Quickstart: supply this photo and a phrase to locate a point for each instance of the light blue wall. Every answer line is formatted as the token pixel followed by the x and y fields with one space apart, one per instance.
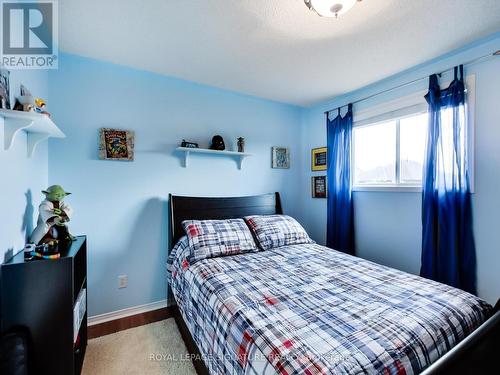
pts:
pixel 122 206
pixel 22 178
pixel 388 225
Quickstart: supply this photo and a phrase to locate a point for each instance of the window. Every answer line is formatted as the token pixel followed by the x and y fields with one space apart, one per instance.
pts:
pixel 389 141
pixel 390 154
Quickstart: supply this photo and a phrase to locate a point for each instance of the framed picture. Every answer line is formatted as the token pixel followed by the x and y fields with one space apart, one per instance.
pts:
pixel 319 187
pixel 318 159
pixel 116 144
pixel 280 157
pixel 4 89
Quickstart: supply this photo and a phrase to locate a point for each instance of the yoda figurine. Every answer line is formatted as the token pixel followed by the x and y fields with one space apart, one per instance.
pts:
pixel 54 213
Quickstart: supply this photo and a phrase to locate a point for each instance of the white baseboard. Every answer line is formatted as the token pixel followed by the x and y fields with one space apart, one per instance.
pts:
pixel 129 311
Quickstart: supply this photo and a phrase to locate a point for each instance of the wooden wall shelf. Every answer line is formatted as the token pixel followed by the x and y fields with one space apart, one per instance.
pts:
pixel 38 127
pixel 233 154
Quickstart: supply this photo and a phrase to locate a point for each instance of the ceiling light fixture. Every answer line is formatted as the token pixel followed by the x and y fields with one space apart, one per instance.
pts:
pixel 330 8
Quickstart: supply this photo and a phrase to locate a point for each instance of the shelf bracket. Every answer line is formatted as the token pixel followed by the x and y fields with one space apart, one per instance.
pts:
pixel 186 159
pixel 240 160
pixel 33 140
pixel 11 128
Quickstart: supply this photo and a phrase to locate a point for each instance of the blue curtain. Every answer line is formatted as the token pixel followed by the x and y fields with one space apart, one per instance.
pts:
pixel 340 220
pixel 448 251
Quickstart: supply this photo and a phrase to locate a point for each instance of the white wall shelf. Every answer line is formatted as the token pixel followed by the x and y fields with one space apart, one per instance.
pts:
pixel 233 154
pixel 38 127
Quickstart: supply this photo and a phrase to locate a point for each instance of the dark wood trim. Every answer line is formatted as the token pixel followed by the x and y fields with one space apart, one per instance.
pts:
pixel 198 208
pixel 127 322
pixel 196 357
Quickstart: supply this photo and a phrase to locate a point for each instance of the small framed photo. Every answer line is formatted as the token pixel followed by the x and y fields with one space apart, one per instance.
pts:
pixel 318 159
pixel 280 158
pixel 116 144
pixel 319 187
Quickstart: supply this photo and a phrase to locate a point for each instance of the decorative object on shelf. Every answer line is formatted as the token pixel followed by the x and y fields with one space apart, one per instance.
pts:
pixel 116 144
pixel 53 215
pixel 330 8
pixel 318 159
pixel 4 89
pixel 28 108
pixel 25 102
pixel 187 144
pixel 217 143
pixel 43 251
pixel 241 144
pixel 41 106
pixel 280 158
pixel 318 187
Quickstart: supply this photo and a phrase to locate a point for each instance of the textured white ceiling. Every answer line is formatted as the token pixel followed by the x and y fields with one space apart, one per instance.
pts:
pixel 275 49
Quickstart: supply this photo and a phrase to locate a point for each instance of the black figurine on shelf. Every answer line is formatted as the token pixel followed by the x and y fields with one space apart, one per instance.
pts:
pixel 241 144
pixel 217 143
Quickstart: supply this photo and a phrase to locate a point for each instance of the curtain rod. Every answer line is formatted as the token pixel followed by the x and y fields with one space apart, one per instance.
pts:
pixel 476 60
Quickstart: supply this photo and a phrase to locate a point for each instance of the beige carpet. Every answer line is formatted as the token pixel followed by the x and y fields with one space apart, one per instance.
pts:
pixel 153 349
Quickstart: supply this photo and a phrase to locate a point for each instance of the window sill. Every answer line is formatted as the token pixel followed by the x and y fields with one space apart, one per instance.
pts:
pixel 389 188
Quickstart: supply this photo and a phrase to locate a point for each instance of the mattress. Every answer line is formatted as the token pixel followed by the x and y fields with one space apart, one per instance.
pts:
pixel 308 309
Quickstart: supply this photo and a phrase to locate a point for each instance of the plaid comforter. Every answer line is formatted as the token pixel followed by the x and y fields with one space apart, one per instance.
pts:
pixel 307 309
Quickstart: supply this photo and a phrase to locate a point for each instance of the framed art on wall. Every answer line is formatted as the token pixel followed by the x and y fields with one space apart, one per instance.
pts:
pixel 318 186
pixel 280 158
pixel 116 144
pixel 318 159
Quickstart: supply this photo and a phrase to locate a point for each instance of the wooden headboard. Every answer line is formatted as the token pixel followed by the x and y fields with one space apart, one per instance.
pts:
pixel 197 208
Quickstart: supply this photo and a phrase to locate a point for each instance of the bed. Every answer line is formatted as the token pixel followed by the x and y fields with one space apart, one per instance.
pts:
pixel 307 309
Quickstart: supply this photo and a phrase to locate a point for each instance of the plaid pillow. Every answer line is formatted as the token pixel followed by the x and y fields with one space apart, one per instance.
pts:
pixel 277 230
pixel 178 257
pixel 213 238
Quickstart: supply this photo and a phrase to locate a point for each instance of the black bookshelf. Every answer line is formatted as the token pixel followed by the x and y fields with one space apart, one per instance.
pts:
pixel 40 296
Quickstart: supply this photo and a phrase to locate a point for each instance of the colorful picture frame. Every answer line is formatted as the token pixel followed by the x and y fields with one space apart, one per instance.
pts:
pixel 319 187
pixel 280 158
pixel 116 144
pixel 318 159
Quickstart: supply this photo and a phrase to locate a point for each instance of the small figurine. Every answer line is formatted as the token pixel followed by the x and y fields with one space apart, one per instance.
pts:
pixel 241 144
pixel 40 103
pixel 217 143
pixel 41 106
pixel 54 213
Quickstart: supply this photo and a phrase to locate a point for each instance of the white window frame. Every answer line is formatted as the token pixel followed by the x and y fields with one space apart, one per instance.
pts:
pixel 407 106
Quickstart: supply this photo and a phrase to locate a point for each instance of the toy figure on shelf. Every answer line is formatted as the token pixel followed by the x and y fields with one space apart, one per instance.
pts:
pixel 41 106
pixel 217 143
pixel 54 213
pixel 241 144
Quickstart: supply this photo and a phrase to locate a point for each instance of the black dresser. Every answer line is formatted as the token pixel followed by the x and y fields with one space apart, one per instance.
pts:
pixel 48 298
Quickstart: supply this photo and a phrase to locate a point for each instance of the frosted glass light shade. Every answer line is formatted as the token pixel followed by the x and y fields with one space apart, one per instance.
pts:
pixel 331 8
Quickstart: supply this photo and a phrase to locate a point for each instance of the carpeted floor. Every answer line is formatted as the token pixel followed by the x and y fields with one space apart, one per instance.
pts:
pixel 153 349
